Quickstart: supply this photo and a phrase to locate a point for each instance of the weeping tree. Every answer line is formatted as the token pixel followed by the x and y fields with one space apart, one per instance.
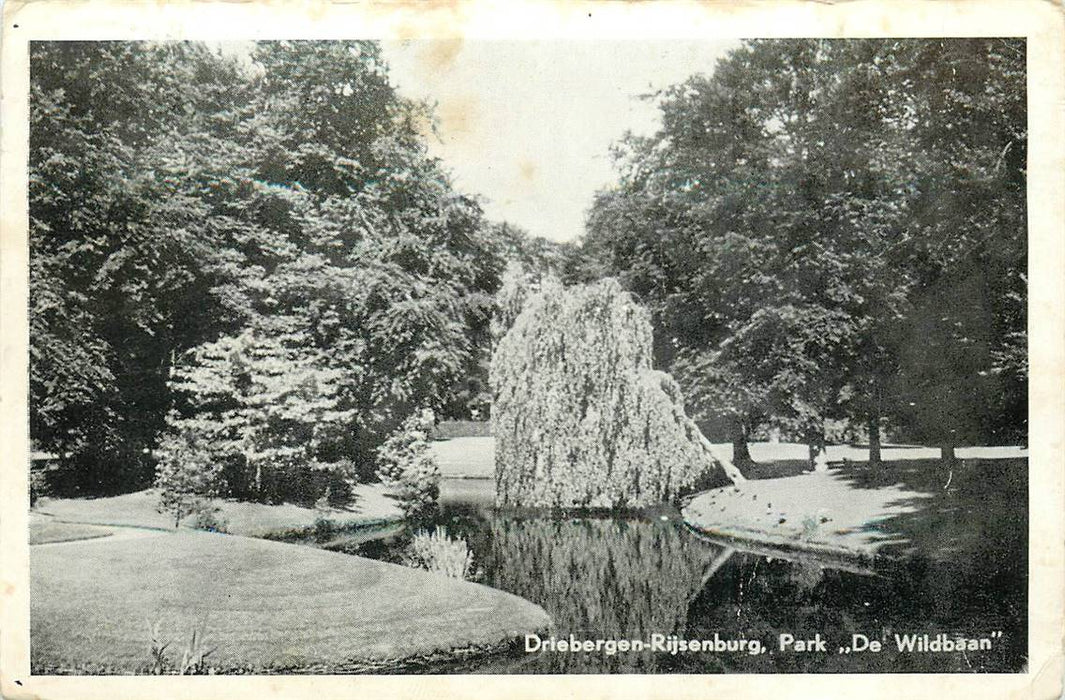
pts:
pixel 580 417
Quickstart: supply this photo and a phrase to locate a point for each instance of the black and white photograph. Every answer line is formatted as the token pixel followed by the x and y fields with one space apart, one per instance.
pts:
pixel 536 356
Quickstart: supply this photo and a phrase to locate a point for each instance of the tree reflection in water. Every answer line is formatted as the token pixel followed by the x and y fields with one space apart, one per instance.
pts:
pixel 617 578
pixel 600 579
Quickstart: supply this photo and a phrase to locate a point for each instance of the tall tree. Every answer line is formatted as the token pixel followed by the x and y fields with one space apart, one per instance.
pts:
pixel 181 196
pixel 780 222
pixel 117 251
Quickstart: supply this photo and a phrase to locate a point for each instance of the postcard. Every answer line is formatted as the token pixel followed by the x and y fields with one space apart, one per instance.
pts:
pixel 593 349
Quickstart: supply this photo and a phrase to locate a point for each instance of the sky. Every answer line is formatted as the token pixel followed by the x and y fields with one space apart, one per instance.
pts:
pixel 527 125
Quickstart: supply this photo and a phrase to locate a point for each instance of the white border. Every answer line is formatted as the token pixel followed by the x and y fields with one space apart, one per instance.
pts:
pixel 1041 22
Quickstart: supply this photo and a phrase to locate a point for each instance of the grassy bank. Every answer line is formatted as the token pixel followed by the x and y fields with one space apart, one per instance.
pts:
pixel 372 505
pixel 261 606
pixel 466 457
pixel 897 510
pixel 44 530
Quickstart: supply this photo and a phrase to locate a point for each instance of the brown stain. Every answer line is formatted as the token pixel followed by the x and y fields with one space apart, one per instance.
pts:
pixel 438 56
pixel 527 169
pixel 425 19
pixel 458 116
pixel 316 11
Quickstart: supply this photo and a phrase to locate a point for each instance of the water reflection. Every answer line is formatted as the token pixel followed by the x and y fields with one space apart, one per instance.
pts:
pixel 614 578
pixel 804 599
pixel 600 579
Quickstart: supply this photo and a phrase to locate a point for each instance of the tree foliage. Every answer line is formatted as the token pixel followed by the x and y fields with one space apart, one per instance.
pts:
pixel 406 461
pixel 796 223
pixel 580 418
pixel 188 475
pixel 256 239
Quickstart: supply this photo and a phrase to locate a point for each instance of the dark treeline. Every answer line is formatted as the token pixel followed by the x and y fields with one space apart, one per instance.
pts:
pixel 248 258
pixel 246 254
pixel 834 232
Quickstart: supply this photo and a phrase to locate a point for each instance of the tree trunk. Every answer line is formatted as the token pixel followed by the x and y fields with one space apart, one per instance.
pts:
pixel 816 447
pixel 730 468
pixel 874 440
pixel 741 453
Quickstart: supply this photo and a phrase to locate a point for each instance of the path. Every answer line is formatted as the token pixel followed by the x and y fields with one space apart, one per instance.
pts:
pixel 474 457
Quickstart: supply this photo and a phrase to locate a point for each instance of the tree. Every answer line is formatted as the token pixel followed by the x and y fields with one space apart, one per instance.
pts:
pixel 414 264
pixel 967 101
pixel 188 475
pixel 581 419
pixel 116 257
pixel 406 461
pixel 790 211
pixel 269 411
pixel 182 199
pixel 723 238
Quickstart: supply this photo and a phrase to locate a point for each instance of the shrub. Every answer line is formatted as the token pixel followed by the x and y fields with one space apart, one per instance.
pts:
pixel 156 650
pixel 440 553
pixel 406 462
pixel 38 487
pixel 324 529
pixel 187 477
pixel 207 516
pixel 324 501
pixel 193 656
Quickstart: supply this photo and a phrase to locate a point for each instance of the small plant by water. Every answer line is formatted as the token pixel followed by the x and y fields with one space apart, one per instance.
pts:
pixel 209 517
pixel 38 487
pixel 325 529
pixel 440 553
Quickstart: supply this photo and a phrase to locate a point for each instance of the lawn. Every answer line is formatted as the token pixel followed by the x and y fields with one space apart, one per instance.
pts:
pixel 471 457
pixel 474 456
pixel 45 530
pixel 372 504
pixel 900 509
pixel 262 606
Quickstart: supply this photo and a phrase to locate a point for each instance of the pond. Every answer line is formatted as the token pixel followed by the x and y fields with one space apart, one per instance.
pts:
pixel 645 574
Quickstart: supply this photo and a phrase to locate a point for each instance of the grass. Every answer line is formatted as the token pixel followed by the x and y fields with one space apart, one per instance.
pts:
pixel 448 429
pixel 47 531
pixel 263 607
pixel 138 509
pixel 899 509
pixel 470 457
